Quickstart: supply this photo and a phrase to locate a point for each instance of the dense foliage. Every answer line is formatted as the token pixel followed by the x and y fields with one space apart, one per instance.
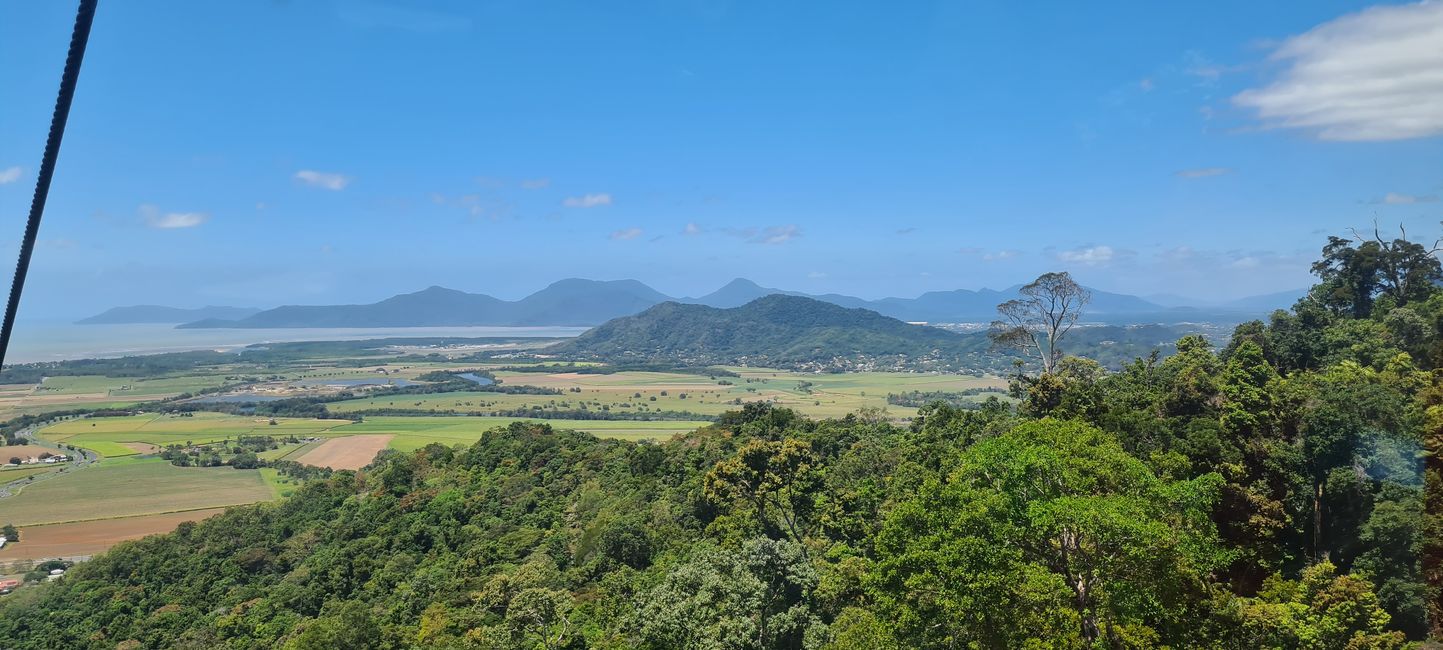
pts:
pixel 1269 494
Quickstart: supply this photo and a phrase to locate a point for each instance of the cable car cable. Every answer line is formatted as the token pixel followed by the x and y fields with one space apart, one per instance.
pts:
pixel 78 38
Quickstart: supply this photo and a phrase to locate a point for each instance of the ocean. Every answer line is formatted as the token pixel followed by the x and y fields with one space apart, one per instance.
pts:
pixel 58 341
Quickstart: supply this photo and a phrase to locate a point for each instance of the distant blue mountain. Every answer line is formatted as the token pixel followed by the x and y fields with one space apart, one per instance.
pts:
pixel 578 302
pixel 567 302
pixel 159 314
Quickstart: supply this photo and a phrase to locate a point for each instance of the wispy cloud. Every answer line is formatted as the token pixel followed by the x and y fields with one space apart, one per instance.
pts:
pixel 9 175
pixel 777 234
pixel 535 183
pixel 691 229
pixel 171 220
pixel 324 180
pixel 816 275
pixel 1394 198
pixel 476 206
pixel 1202 172
pixel 1091 255
pixel 587 200
pixel 625 234
pixel 1372 75
pixel 987 255
pixel 906 231
pixel 1198 65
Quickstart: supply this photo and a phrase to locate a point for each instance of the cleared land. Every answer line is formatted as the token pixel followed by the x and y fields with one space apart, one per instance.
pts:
pixel 127 487
pixel 91 537
pixel 349 452
pixel 24 451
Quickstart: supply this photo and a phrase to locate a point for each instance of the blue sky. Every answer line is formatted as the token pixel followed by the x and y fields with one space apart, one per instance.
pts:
pixel 261 153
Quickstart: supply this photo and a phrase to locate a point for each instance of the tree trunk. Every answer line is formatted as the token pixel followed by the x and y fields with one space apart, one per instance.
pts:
pixel 1432 551
pixel 1320 554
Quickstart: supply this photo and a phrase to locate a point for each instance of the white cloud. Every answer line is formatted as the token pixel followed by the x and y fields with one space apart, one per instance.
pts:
pixel 587 201
pixel 171 220
pixel 625 234
pixel 777 234
pixel 9 175
pixel 1373 75
pixel 325 180
pixel 990 255
pixel 691 229
pixel 1089 255
pixel 816 275
pixel 1202 172
pixel 1394 198
pixel 535 183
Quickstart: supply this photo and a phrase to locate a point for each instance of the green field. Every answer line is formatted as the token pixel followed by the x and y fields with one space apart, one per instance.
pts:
pixel 816 395
pixel 7 475
pixel 106 435
pixel 124 487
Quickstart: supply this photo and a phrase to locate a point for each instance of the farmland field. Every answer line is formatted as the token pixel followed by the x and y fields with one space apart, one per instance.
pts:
pixel 130 493
pixel 346 452
pixel 816 395
pixel 7 475
pixel 126 487
pixel 111 436
pixel 90 537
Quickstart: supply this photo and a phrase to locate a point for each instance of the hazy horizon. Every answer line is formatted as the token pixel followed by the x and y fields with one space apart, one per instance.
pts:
pixel 375 148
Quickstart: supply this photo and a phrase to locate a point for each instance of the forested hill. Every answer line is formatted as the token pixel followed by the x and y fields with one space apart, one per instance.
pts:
pixel 775 330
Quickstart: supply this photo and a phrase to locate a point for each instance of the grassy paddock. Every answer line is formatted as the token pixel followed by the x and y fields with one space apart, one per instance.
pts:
pixel 104 435
pixel 126 487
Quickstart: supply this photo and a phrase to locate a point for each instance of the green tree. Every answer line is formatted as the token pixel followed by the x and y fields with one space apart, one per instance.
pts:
pixel 1049 531
pixel 755 598
pixel 1322 610
pixel 775 482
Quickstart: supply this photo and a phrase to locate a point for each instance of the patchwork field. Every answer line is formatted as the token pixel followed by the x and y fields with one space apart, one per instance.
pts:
pixel 129 493
pixel 90 537
pixel 125 487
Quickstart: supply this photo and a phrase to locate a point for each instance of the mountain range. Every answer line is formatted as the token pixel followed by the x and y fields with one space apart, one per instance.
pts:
pixel 586 303
pixel 159 314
